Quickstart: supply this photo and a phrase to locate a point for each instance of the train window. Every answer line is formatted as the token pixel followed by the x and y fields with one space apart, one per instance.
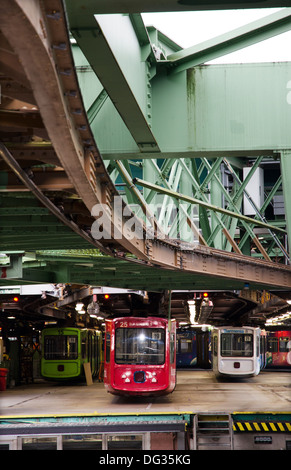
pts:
pixel 4 447
pixel 140 346
pixel 186 345
pixel 272 344
pixel 39 443
pixel 61 347
pixel 82 442
pixel 107 352
pixel 236 344
pixel 215 348
pixel 284 344
pixel 84 347
pixel 123 442
pixel 262 344
pixel 172 348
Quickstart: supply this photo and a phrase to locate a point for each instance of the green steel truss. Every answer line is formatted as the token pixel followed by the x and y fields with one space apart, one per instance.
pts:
pixel 144 106
pixel 158 115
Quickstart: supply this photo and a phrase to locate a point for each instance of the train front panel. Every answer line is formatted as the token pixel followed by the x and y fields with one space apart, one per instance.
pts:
pixel 279 349
pixel 65 350
pixel 61 353
pixel 140 356
pixel 236 351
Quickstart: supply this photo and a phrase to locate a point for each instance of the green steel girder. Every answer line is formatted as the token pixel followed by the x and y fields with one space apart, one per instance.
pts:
pixel 91 268
pixel 259 211
pixel 211 111
pixel 286 181
pixel 259 30
pixel 223 234
pixel 146 6
pixel 123 78
pixel 27 224
pixel 136 87
pixel 207 205
pixel 180 172
pixel 139 197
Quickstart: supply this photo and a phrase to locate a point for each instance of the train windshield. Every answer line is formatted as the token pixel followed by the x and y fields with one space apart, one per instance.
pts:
pixel 236 345
pixel 61 347
pixel 140 346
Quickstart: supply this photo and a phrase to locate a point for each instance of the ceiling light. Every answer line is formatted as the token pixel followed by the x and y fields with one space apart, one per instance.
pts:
pixel 79 307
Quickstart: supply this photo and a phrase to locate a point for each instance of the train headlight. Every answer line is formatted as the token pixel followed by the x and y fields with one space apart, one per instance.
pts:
pixel 125 376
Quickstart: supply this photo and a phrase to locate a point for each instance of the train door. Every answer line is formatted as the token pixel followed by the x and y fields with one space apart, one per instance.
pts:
pixel 186 348
pixel 263 349
pixel 92 352
pixel 172 358
pixel 214 352
pixel 95 353
pixel 202 341
pixel 257 356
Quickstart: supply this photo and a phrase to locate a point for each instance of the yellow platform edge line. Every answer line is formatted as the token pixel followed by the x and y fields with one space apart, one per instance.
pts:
pixel 142 413
pixel 260 413
pixel 96 414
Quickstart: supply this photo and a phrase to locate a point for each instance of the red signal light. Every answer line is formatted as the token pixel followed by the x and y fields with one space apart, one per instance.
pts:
pixel 106 296
pixel 15 299
pixel 205 294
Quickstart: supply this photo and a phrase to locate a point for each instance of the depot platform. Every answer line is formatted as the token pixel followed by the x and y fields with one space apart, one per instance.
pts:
pixel 203 412
pixel 196 391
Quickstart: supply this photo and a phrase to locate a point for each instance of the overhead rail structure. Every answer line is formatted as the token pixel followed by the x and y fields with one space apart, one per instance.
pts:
pixel 133 147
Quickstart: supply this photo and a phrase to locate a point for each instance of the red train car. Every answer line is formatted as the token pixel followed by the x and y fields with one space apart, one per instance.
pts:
pixel 140 356
pixel 279 349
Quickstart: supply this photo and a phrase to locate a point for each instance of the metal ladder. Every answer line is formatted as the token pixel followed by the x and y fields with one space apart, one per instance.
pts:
pixel 212 431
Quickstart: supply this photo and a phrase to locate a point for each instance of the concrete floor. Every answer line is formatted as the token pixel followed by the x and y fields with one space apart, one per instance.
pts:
pixel 196 391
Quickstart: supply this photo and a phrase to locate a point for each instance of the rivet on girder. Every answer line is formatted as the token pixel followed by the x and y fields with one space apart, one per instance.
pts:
pixel 54 15
pixel 72 93
pixel 65 72
pixel 61 46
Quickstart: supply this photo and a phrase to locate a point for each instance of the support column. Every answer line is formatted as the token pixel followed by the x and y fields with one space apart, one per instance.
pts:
pixel 286 183
pixel 185 188
pixel 216 200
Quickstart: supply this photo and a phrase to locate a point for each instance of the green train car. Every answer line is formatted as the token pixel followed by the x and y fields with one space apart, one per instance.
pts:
pixel 65 350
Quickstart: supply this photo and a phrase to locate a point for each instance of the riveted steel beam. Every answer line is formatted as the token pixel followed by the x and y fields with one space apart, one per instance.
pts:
pixel 286 181
pixel 101 270
pixel 183 210
pixel 193 200
pixel 124 80
pixel 254 32
pixel 152 6
pixel 61 105
pixel 63 115
pixel 145 208
pixel 258 211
